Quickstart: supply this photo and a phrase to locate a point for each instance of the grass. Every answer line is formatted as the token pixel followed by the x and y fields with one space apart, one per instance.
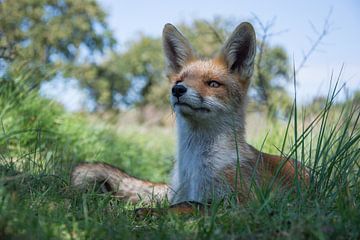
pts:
pixel 40 143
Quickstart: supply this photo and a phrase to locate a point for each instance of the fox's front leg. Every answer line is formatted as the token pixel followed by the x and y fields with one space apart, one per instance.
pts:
pixel 120 184
pixel 183 208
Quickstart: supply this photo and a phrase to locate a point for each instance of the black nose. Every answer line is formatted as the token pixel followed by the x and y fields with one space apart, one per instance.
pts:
pixel 178 90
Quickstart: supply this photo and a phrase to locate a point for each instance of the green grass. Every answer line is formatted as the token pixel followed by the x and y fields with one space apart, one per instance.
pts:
pixel 40 143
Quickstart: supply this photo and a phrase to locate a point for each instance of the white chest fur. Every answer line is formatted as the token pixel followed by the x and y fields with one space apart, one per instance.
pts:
pixel 198 174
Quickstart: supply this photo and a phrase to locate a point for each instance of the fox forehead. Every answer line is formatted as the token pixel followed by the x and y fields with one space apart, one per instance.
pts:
pixel 202 70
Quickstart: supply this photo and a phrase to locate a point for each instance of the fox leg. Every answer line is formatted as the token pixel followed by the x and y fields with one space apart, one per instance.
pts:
pixel 120 184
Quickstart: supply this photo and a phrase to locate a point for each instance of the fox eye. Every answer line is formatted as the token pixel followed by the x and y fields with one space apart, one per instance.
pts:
pixel 213 84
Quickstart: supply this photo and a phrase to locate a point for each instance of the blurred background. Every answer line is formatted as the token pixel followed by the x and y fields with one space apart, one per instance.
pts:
pixel 106 56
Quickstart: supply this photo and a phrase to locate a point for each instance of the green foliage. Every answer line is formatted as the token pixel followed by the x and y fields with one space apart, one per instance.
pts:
pixel 38 136
pixel 207 37
pixel 144 59
pixel 270 77
pixel 106 82
pixel 126 78
pixel 44 35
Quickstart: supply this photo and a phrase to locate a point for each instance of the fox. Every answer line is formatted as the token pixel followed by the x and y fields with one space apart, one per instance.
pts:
pixel 213 159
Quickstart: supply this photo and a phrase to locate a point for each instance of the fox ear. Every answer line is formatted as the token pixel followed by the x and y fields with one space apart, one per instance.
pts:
pixel 177 49
pixel 239 50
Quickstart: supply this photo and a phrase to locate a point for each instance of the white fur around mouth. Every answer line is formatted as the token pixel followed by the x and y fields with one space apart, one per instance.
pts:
pixel 182 104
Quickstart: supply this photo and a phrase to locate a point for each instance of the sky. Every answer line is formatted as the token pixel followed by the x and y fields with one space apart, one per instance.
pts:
pixel 293 18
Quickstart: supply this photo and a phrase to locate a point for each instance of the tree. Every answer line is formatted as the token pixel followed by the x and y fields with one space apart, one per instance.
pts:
pixel 44 35
pixel 128 77
pixel 145 64
pixel 270 78
pixel 107 82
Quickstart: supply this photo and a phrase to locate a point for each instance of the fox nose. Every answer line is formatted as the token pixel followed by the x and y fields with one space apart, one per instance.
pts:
pixel 178 90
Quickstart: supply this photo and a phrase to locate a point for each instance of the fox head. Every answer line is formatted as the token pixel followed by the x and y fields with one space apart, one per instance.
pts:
pixel 209 92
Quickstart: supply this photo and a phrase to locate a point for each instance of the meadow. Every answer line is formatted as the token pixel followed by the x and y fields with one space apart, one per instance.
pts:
pixel 40 143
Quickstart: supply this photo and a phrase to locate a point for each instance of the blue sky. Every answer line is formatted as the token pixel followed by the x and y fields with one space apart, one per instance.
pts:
pixel 129 18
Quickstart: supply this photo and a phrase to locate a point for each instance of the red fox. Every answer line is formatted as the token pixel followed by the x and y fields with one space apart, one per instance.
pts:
pixel 213 159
